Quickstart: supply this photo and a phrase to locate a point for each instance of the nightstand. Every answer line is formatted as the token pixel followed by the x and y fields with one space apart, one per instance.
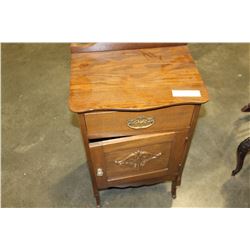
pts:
pixel 138 105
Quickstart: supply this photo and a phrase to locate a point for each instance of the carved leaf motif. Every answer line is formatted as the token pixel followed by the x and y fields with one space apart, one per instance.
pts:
pixel 137 159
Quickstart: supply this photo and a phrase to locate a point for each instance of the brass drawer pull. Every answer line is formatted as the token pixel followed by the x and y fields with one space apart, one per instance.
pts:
pixel 141 122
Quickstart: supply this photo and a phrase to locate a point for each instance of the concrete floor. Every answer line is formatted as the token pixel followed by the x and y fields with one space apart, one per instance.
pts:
pixel 43 164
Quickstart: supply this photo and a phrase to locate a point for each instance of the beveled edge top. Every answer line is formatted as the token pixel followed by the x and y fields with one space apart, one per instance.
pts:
pixel 178 101
pixel 137 109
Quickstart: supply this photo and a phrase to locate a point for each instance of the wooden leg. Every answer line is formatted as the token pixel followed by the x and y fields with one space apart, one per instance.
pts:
pixel 243 149
pixel 97 198
pixel 173 189
pixel 90 165
pixel 179 180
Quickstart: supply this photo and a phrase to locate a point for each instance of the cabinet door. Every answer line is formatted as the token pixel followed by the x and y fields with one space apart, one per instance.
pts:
pixel 124 161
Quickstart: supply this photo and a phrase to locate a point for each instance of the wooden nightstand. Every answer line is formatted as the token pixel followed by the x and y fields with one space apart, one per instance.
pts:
pixel 138 105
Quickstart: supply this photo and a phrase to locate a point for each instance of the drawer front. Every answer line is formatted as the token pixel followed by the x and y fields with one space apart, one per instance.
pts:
pixel 136 158
pixel 118 123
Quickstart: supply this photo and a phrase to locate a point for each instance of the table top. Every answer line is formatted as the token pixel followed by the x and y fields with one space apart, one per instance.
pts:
pixel 134 80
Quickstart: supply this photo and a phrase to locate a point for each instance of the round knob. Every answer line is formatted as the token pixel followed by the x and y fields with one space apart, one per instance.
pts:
pixel 99 172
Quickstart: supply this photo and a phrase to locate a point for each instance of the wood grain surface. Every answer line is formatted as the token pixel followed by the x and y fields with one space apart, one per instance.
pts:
pixel 115 123
pixel 94 47
pixel 133 80
pixel 106 153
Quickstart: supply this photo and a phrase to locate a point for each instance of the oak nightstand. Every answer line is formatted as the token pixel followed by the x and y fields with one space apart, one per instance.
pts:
pixel 138 105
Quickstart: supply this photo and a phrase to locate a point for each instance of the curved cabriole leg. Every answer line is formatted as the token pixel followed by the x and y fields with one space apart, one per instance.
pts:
pixel 173 189
pixel 243 149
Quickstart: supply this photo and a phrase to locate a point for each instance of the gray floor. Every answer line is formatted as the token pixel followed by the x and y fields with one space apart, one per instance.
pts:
pixel 43 164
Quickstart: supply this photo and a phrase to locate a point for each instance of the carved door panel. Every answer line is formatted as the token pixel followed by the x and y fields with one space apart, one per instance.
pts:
pixel 128 159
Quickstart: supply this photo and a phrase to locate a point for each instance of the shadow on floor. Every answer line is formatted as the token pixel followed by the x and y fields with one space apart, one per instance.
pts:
pixel 150 196
pixel 236 191
pixel 74 120
pixel 74 190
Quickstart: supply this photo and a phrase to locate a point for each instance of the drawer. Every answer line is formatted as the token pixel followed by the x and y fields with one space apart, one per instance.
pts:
pixel 136 158
pixel 120 123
